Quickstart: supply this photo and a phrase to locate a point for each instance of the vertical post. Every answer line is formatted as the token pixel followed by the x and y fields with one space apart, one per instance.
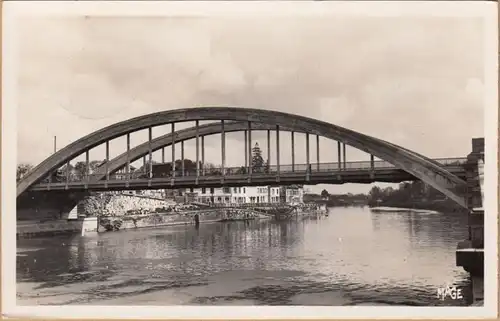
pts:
pixel 317 152
pixel 107 160
pixel 278 149
pixel 223 148
pixel 343 152
pixel 67 172
pixel 269 151
pixel 197 148
pixel 339 156
pixel 307 154
pixel 182 158
pixel 87 165
pixel 128 156
pixel 163 155
pixel 372 162
pixel 250 148
pixel 246 149
pixel 55 144
pixel 203 155
pixel 293 150
pixel 150 138
pixel 173 149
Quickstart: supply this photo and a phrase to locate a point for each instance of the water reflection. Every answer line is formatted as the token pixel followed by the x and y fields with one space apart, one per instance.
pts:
pixel 353 256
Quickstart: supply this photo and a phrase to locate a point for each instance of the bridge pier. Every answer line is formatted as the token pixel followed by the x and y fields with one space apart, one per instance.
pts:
pixel 470 252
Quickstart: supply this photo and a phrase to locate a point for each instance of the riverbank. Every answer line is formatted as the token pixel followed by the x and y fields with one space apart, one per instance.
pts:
pixel 107 224
pixel 101 224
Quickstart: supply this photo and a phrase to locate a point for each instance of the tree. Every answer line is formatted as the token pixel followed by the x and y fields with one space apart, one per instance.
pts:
pixel 257 160
pixel 324 193
pixel 80 168
pixel 375 194
pixel 22 170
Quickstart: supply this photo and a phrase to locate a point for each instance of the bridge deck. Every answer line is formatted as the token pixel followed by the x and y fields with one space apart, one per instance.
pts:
pixel 327 174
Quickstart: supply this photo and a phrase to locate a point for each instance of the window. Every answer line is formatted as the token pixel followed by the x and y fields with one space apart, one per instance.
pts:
pixel 244 190
pixel 203 190
pixel 235 190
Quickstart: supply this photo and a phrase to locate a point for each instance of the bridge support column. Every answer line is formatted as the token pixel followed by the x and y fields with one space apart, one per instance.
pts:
pixel 268 151
pixel 107 160
pixel 203 155
pixel 150 152
pixel 372 166
pixel 223 149
pixel 87 166
pixel 67 173
pixel 163 155
pixel 339 156
pixel 197 150
pixel 182 159
pixel 278 152
pixel 470 253
pixel 173 149
pixel 249 150
pixel 308 163
pixel 293 150
pixel 128 157
pixel 317 152
pixel 246 149
pixel 344 156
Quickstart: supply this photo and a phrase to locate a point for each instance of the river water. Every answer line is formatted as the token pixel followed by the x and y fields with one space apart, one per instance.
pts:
pixel 352 257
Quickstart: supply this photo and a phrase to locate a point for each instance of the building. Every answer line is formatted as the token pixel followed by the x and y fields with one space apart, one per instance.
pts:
pixel 247 195
pixel 294 194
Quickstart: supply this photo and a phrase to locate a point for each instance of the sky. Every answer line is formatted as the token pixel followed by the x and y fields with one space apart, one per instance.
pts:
pixel 416 82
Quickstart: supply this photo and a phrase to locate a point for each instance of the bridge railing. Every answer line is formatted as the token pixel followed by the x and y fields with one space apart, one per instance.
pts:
pixel 263 170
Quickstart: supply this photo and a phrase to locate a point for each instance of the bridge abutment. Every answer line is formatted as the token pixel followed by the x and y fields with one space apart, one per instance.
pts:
pixel 51 212
pixel 470 252
pixel 47 205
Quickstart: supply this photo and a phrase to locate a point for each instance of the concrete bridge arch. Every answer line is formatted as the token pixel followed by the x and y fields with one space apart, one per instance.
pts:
pixel 418 165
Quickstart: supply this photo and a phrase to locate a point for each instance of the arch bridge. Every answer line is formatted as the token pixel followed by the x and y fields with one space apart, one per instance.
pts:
pixel 41 188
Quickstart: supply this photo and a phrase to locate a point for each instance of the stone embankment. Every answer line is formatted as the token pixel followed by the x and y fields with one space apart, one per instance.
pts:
pixel 124 204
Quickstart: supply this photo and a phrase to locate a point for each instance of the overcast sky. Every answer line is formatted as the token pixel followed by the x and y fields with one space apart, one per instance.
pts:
pixel 414 82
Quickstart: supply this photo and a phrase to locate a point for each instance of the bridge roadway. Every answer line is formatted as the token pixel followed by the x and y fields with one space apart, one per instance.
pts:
pixel 323 173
